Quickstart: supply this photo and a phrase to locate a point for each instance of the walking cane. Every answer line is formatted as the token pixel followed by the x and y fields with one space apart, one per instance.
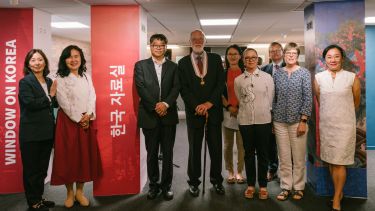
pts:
pixel 204 154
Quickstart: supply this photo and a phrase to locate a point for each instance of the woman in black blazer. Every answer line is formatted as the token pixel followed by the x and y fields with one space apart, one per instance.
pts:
pixel 36 99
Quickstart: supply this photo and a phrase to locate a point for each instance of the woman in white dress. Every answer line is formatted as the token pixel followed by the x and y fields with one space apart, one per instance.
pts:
pixel 338 93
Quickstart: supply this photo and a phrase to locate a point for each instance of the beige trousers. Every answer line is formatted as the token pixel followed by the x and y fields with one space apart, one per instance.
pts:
pixel 228 149
pixel 292 154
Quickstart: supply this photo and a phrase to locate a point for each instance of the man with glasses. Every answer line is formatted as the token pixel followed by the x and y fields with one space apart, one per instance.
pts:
pixel 202 82
pixel 276 57
pixel 158 86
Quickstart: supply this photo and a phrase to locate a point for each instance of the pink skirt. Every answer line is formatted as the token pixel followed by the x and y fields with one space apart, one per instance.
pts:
pixel 76 154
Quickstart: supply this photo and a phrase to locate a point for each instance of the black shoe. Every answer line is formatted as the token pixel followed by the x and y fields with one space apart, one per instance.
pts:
pixel 168 194
pixel 49 204
pixel 219 188
pixel 39 207
pixel 194 190
pixel 153 193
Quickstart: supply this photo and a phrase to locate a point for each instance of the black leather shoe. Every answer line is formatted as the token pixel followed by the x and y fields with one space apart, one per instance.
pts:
pixel 49 204
pixel 168 194
pixel 219 188
pixel 194 190
pixel 153 193
pixel 38 207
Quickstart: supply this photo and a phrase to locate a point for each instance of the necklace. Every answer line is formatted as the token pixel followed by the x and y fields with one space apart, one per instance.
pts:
pixel 196 69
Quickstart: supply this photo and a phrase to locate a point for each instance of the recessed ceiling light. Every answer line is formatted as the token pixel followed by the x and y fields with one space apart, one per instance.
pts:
pixel 68 25
pixel 370 20
pixel 258 45
pixel 218 36
pixel 218 22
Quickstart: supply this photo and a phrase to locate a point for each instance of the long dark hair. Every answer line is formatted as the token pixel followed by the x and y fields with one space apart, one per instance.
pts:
pixel 240 62
pixel 63 69
pixel 29 55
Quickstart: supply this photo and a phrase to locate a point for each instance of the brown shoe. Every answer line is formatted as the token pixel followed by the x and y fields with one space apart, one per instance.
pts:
pixel 263 194
pixel 249 193
pixel 69 201
pixel 83 201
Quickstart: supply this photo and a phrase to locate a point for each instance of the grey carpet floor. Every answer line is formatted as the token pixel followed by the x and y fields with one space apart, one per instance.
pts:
pixel 232 200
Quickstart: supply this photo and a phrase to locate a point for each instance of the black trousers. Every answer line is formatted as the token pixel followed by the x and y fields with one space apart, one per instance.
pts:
pixel 214 142
pixel 256 138
pixel 35 160
pixel 163 135
pixel 273 156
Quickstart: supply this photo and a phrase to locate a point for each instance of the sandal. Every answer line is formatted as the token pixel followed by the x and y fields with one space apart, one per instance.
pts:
pixel 240 179
pixel 231 180
pixel 298 194
pixel 249 193
pixel 263 194
pixel 283 195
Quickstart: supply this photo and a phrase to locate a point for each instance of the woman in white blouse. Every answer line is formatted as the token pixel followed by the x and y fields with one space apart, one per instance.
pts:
pixel 255 90
pixel 77 157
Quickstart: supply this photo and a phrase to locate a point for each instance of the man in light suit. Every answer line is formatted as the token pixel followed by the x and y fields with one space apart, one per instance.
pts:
pixel 276 56
pixel 158 86
pixel 202 82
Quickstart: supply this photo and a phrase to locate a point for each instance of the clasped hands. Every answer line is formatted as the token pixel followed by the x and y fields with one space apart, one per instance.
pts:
pixel 203 108
pixel 85 121
pixel 161 109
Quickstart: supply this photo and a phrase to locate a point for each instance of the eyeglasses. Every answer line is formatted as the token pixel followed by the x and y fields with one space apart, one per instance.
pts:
pixel 254 58
pixel 288 53
pixel 158 46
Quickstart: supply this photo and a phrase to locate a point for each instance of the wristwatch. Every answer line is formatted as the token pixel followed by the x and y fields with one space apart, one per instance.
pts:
pixel 303 120
pixel 227 107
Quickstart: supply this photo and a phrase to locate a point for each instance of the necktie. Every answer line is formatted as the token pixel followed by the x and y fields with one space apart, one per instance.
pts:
pixel 200 64
pixel 277 67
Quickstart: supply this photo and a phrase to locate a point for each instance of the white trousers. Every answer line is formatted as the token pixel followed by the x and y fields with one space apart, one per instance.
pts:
pixel 292 155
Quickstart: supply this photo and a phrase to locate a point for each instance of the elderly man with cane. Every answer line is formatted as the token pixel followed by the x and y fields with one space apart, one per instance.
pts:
pixel 202 79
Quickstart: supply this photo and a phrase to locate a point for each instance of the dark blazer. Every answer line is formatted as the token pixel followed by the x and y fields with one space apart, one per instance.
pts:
pixel 37 122
pixel 148 89
pixel 193 93
pixel 269 68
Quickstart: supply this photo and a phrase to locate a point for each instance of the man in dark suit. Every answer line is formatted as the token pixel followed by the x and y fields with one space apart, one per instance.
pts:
pixel 202 82
pixel 276 57
pixel 157 83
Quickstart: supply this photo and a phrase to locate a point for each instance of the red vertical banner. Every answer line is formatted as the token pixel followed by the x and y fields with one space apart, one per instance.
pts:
pixel 16 39
pixel 115 37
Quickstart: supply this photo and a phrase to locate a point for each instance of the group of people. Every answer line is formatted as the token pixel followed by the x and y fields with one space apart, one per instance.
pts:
pixel 265 110
pixel 76 154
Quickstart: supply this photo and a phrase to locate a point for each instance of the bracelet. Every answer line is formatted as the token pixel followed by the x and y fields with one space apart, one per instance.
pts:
pixel 303 120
